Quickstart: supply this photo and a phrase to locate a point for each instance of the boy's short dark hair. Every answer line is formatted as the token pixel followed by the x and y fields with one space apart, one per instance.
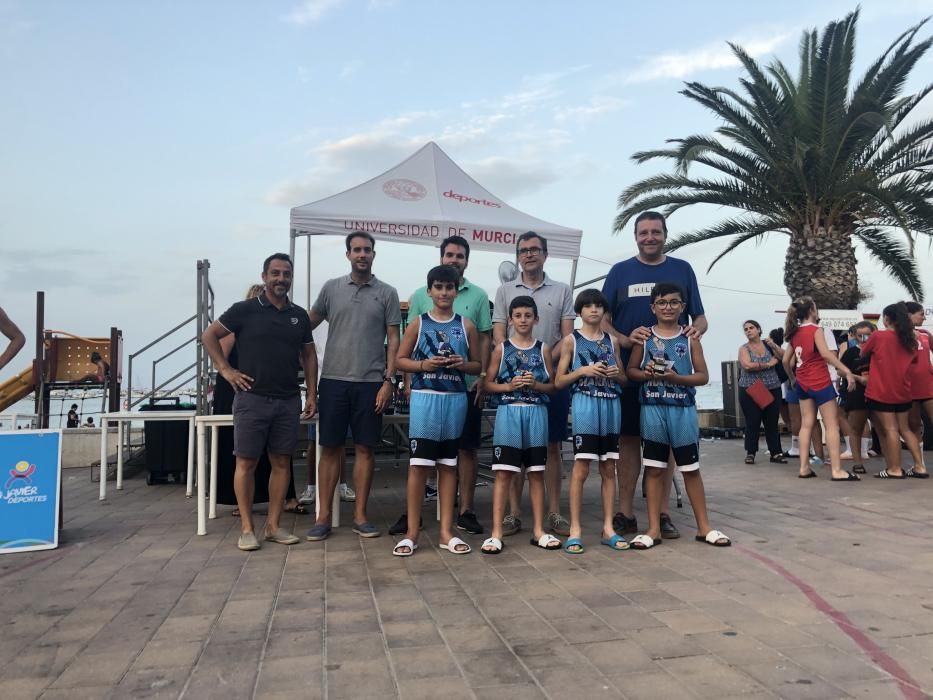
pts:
pixel 443 273
pixel 590 296
pixel 356 234
pixel 284 257
pixel 529 235
pixel 664 288
pixel 456 240
pixel 523 302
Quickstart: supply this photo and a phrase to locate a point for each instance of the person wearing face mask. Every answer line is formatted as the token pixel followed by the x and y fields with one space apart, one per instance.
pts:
pixel 852 400
pixel 758 360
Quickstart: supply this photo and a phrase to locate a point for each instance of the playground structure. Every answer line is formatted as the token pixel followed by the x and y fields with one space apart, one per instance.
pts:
pixel 62 363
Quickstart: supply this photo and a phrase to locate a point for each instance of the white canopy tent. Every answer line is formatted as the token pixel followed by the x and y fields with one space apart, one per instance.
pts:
pixel 423 200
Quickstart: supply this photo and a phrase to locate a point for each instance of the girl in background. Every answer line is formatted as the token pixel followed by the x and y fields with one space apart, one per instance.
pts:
pixel 892 354
pixel 807 366
pixel 921 382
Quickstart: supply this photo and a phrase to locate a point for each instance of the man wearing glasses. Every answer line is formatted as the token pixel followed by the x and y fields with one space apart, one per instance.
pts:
pixel 628 290
pixel 555 320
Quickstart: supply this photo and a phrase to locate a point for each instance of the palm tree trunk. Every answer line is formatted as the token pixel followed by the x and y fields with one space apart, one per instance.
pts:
pixel 822 264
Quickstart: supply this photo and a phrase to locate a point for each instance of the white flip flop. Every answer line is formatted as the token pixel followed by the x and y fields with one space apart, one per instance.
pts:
pixel 644 542
pixel 412 546
pixel 493 542
pixel 455 542
pixel 712 537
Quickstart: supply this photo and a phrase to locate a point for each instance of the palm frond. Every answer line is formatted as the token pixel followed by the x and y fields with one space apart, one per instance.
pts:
pixel 897 260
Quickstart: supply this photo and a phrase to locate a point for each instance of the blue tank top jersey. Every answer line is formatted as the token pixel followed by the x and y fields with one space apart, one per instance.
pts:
pixel 443 338
pixel 663 350
pixel 589 352
pixel 516 360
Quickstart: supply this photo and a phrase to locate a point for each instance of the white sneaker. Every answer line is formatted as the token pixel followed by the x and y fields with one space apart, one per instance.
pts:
pixel 793 452
pixel 346 493
pixel 308 495
pixel 846 455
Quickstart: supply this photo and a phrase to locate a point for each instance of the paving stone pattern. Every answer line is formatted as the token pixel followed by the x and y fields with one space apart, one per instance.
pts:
pixel 827 594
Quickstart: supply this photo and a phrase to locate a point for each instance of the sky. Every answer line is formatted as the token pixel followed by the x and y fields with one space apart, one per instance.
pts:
pixel 143 136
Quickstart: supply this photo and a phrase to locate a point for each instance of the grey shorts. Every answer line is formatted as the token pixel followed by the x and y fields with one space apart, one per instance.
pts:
pixel 264 424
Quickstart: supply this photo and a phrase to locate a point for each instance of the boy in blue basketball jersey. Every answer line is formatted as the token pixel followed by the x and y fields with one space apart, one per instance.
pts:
pixel 590 365
pixel 670 366
pixel 521 382
pixel 438 348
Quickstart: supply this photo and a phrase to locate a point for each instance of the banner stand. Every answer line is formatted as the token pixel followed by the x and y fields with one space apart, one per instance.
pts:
pixel 30 490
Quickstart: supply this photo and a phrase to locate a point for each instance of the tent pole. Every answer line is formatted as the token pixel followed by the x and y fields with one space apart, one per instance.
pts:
pixel 308 280
pixel 573 274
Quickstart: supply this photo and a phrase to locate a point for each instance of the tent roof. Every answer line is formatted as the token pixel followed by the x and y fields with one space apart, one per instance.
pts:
pixel 423 200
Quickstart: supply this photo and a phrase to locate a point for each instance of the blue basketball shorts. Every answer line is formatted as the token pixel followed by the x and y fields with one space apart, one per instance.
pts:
pixel 435 423
pixel 670 429
pixel 596 427
pixel 520 438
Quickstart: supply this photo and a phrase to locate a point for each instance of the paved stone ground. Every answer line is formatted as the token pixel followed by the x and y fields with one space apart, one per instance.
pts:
pixel 827 594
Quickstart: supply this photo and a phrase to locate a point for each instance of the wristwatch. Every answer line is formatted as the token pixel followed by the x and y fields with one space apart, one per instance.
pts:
pixel 385 378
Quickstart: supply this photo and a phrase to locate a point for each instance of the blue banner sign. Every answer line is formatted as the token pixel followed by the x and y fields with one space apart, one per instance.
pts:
pixel 30 475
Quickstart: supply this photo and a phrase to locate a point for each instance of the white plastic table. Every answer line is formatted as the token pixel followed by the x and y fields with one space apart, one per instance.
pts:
pixel 122 417
pixel 215 422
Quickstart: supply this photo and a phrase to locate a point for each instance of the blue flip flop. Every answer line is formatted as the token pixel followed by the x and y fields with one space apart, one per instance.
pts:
pixel 613 543
pixel 573 542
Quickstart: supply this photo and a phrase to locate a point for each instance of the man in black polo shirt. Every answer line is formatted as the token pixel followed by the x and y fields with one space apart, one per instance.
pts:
pixel 273 338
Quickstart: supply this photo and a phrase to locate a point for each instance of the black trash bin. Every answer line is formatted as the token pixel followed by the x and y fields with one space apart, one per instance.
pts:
pixel 166 442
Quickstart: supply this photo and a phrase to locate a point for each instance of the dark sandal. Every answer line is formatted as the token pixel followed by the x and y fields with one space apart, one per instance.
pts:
pixel 848 477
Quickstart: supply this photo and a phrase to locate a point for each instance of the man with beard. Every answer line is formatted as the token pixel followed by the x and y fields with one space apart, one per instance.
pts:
pixel 273 336
pixel 628 291
pixel 471 302
pixel 357 377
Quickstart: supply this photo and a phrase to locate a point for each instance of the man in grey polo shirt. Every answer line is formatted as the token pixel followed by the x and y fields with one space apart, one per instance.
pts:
pixel 555 320
pixel 357 376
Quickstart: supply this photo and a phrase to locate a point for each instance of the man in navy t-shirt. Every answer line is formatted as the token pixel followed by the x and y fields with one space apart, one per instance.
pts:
pixel 628 290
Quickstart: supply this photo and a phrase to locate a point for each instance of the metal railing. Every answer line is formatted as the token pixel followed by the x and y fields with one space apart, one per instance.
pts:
pixel 192 372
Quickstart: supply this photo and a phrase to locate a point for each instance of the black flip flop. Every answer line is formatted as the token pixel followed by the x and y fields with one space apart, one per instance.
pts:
pixel 809 475
pixel 858 469
pixel 885 474
pixel 848 477
pixel 917 475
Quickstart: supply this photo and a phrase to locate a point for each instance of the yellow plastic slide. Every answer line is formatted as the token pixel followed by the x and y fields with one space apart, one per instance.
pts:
pixel 16 388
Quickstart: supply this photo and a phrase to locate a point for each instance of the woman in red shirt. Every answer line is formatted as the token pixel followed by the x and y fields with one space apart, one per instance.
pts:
pixel 806 366
pixel 921 383
pixel 892 352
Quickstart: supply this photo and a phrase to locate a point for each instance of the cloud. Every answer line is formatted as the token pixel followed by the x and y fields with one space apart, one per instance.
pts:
pixel 714 56
pixel 310 11
pixel 508 178
pixel 514 127
pixel 599 104
pixel 349 68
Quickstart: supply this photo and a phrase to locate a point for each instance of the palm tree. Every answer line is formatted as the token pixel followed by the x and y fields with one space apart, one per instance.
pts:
pixel 823 163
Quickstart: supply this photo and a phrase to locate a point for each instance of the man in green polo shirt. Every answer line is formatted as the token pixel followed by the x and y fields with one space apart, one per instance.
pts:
pixel 472 303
